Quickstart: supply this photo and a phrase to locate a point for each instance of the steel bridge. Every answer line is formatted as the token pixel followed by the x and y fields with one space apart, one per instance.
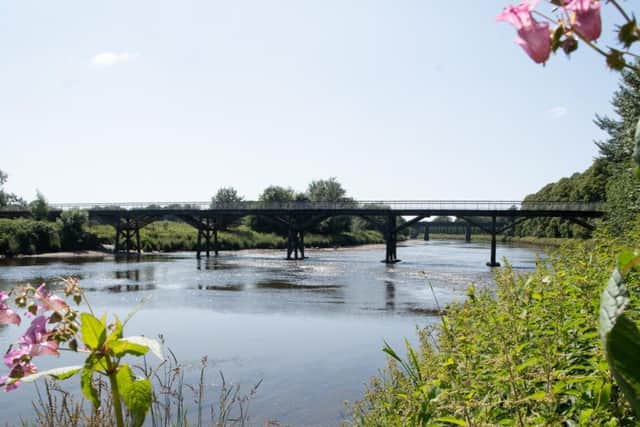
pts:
pixel 296 217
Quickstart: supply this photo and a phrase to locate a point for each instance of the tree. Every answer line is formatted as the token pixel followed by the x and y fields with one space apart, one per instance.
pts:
pixel 39 207
pixel 226 195
pixel 72 234
pixel 8 199
pixel 617 148
pixel 326 190
pixel 273 194
pixel 330 190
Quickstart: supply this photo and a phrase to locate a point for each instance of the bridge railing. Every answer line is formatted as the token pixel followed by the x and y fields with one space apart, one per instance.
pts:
pixel 485 205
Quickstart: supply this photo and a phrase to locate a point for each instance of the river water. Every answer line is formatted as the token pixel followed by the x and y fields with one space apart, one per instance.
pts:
pixel 311 330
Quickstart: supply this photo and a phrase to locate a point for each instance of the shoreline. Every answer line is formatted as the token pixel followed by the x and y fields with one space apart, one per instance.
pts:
pixel 106 254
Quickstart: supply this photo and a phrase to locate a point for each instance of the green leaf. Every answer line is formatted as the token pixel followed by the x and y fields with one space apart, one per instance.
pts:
pixel 152 344
pixel 623 348
pixel 57 373
pixel 136 394
pixel 121 347
pixel 89 391
pixel 93 331
pixel 451 420
pixel 621 339
pixel 613 301
pixel 539 396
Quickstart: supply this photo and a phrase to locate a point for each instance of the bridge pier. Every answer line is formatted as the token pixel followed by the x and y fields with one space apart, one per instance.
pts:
pixel 391 240
pixel 426 231
pixel 127 229
pixel 295 245
pixel 207 228
pixel 467 233
pixel 492 262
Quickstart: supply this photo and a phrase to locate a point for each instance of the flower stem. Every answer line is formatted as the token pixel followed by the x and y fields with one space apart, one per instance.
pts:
pixel 115 393
pixel 620 9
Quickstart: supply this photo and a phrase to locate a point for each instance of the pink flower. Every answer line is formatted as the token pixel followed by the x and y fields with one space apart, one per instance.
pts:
pixel 7 316
pixel 49 301
pixel 36 339
pixel 19 362
pixel 533 36
pixel 585 17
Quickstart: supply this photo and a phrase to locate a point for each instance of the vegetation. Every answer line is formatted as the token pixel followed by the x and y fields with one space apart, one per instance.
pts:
pixel 8 200
pixel 528 355
pixel 166 236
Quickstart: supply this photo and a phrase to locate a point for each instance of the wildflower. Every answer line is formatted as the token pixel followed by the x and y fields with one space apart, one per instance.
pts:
pixel 18 361
pixel 7 316
pixel 533 36
pixel 49 301
pixel 37 340
pixel 585 17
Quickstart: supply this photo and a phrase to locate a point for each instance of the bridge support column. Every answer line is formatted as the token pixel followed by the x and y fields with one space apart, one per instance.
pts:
pixel 295 244
pixel 391 240
pixel 126 229
pixel 207 229
pixel 493 262
pixel 426 232
pixel 467 234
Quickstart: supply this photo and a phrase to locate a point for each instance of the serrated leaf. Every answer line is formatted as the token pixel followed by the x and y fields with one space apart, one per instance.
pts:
pixel 93 331
pixel 86 384
pixel 152 344
pixel 121 347
pixel 57 373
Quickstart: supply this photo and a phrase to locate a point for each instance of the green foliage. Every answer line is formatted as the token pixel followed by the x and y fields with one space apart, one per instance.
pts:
pixel 623 199
pixel 39 207
pixel 9 200
pixel 25 236
pixel 226 195
pixel 526 354
pixel 72 224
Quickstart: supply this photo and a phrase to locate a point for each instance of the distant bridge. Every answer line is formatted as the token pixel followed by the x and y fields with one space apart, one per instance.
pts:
pixel 209 218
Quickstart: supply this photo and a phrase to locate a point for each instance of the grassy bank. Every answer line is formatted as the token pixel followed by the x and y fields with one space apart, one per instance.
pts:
pixel 168 236
pixel 529 354
pixel 525 240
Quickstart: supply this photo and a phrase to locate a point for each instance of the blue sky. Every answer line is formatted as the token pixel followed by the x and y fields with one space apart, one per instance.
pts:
pixel 170 100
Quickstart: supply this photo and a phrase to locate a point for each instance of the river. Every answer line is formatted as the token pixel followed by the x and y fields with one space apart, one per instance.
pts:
pixel 311 330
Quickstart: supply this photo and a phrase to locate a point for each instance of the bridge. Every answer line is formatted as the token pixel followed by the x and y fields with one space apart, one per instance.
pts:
pixel 299 216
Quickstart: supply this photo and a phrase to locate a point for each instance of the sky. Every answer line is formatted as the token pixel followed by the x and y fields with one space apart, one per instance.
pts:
pixel 399 100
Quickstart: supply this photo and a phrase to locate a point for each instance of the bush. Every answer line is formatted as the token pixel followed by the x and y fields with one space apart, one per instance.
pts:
pixel 72 234
pixel 26 236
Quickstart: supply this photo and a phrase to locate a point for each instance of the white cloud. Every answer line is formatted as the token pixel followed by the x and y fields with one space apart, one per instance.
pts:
pixel 105 59
pixel 558 112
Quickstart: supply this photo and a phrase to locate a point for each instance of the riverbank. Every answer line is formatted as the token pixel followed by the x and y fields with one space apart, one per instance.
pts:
pixel 554 242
